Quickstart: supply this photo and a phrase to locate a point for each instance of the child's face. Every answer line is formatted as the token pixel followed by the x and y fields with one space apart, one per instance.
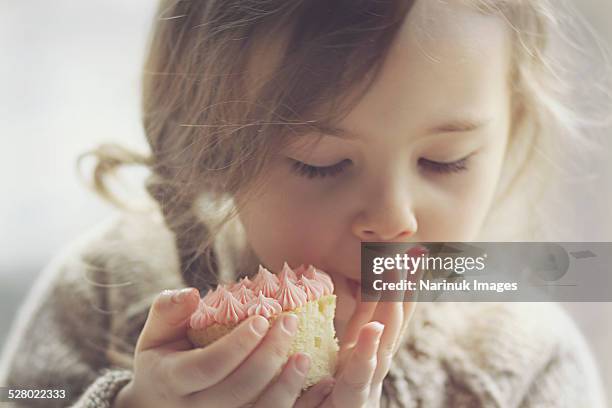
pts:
pixel 442 96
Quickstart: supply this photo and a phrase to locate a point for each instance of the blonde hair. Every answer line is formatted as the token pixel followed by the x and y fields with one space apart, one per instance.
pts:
pixel 211 127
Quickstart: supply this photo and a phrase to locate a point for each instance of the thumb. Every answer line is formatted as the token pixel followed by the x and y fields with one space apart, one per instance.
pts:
pixel 168 318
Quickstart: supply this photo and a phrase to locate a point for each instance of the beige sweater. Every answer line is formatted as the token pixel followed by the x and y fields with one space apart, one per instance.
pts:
pixel 91 302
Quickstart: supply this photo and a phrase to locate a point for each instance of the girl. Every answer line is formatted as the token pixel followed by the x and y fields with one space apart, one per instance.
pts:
pixel 292 131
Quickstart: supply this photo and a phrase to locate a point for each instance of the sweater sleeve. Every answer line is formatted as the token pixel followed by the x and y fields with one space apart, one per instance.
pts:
pixel 104 389
pixel 60 337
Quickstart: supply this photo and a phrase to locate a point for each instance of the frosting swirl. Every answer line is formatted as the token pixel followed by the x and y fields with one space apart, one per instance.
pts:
pixel 313 288
pixel 213 298
pixel 203 317
pixel 265 282
pixel 299 271
pixel 320 276
pixel 264 306
pixel 230 310
pixel 286 270
pixel 243 294
pixel 290 295
pixel 246 282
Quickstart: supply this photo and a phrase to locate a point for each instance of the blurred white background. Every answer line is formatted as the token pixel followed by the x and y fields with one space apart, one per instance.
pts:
pixel 70 78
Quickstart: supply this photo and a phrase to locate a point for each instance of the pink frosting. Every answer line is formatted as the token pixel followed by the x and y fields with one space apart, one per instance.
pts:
pixel 265 282
pixel 320 276
pixel 209 295
pixel 230 310
pixel 214 298
pixel 246 282
pixel 264 306
pixel 286 270
pixel 267 294
pixel 261 273
pixel 299 271
pixel 314 289
pixel 290 295
pixel 203 317
pixel 244 294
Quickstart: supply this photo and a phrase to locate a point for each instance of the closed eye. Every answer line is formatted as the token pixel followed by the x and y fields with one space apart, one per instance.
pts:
pixel 445 167
pixel 310 171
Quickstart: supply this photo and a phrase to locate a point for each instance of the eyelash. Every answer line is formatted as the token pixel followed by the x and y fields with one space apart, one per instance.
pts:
pixel 445 168
pixel 306 170
pixel 309 171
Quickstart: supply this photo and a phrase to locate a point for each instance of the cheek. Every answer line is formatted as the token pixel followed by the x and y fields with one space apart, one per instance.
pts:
pixel 282 224
pixel 457 209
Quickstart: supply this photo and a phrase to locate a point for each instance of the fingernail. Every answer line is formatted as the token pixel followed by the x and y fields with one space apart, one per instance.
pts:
pixel 259 325
pixel 289 323
pixel 302 363
pixel 379 332
pixel 179 296
pixel 378 328
pixel 370 346
pixel 416 250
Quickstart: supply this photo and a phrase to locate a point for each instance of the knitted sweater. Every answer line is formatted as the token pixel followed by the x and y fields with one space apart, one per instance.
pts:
pixel 90 304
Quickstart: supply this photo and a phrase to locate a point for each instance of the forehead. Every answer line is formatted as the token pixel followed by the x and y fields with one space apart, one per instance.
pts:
pixel 448 60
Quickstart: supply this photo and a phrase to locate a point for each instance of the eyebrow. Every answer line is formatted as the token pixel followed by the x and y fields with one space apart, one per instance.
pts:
pixel 460 125
pixel 452 126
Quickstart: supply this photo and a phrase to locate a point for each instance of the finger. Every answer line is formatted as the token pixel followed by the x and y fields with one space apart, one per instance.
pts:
pixel 408 309
pixel 168 318
pixel 415 276
pixel 407 297
pixel 353 387
pixel 200 368
pixel 411 296
pixel 395 316
pixel 315 395
pixel 362 315
pixel 286 389
pixel 408 306
pixel 246 383
pixel 391 314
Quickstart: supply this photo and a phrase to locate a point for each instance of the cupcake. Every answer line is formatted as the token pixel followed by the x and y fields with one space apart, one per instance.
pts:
pixel 306 292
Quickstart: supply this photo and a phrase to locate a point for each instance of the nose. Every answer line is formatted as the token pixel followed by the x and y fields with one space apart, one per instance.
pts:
pixel 388 216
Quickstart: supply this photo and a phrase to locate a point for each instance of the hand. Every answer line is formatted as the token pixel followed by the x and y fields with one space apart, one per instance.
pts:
pixel 240 369
pixel 371 339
